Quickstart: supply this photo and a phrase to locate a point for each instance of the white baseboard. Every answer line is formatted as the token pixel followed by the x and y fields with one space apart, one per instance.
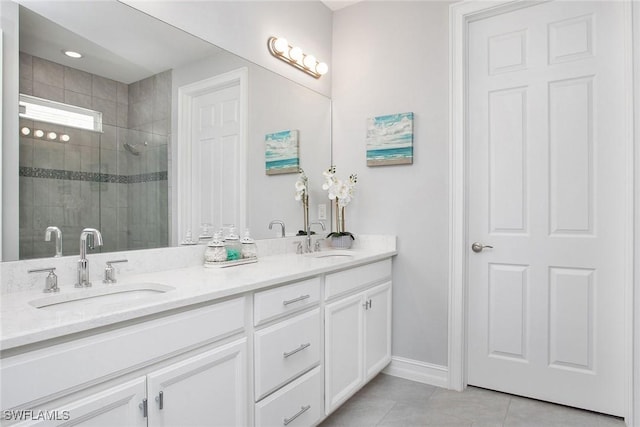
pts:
pixel 414 370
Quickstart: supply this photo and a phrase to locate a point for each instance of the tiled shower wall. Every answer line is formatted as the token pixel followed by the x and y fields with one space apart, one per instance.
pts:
pixel 92 181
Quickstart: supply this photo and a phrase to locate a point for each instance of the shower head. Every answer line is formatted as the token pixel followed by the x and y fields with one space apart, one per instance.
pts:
pixel 132 149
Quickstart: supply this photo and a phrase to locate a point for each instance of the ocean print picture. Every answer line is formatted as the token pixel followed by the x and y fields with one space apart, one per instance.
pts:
pixel 390 140
pixel 281 152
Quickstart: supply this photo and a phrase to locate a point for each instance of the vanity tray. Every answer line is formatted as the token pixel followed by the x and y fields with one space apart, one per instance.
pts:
pixel 224 264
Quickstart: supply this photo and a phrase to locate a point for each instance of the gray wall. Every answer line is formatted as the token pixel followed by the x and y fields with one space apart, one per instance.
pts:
pixel 392 57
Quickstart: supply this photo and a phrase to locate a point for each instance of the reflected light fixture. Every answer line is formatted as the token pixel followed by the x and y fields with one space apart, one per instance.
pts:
pixel 72 54
pixel 47 134
pixel 294 56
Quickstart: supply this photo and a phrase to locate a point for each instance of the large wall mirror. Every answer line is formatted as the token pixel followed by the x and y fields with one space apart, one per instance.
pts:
pixel 122 177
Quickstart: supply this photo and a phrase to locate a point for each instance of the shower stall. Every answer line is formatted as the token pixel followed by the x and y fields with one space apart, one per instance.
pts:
pixel 113 178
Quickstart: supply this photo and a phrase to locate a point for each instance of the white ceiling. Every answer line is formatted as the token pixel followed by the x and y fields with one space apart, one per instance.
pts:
pixel 118 42
pixel 337 4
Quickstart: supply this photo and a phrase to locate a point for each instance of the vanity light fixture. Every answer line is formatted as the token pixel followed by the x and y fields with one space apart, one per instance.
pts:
pixel 72 54
pixel 47 134
pixel 294 56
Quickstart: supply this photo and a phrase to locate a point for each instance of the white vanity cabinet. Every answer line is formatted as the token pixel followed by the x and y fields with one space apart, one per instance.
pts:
pixel 357 329
pixel 118 405
pixel 189 362
pixel 209 388
pixel 287 353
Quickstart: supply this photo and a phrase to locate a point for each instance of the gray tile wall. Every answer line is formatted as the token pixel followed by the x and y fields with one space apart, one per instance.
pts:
pixel 131 213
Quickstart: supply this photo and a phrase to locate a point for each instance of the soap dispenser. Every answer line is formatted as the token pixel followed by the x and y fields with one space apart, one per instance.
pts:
pixel 249 248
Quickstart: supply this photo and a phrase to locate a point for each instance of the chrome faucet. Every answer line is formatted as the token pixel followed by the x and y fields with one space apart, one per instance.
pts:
pixel 83 262
pixel 58 233
pixel 278 222
pixel 308 231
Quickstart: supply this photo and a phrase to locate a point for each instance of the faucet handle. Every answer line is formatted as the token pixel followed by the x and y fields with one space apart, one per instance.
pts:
pixel 298 248
pixel 110 272
pixel 316 246
pixel 51 282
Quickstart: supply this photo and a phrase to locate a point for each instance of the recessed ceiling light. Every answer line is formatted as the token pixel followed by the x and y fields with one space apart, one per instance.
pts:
pixel 72 54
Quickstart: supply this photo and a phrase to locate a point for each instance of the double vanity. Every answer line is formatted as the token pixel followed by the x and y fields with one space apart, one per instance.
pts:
pixel 284 341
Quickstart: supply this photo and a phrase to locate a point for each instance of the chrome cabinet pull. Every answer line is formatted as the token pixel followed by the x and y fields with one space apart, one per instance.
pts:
pixel 292 352
pixel 302 410
pixel 300 298
pixel 160 399
pixel 143 406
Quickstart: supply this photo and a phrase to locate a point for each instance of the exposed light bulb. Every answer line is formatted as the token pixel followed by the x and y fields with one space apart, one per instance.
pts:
pixel 64 137
pixel 25 131
pixel 52 135
pixel 309 62
pixel 322 68
pixel 38 133
pixel 281 45
pixel 296 54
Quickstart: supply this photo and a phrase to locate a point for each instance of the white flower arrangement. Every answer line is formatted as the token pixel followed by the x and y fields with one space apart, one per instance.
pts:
pixel 342 193
pixel 339 190
pixel 302 186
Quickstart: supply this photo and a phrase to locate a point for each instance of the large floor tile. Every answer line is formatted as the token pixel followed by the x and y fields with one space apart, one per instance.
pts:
pixel 402 415
pixel 394 402
pixel 360 411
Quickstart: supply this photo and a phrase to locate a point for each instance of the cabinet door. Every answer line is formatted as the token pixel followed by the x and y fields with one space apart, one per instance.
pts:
pixel 207 389
pixel 344 339
pixel 116 406
pixel 378 329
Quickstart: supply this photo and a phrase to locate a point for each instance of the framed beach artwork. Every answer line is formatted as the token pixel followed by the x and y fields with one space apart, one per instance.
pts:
pixel 390 140
pixel 281 152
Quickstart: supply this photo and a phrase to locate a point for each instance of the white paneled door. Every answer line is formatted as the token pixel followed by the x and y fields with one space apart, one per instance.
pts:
pixel 546 109
pixel 216 158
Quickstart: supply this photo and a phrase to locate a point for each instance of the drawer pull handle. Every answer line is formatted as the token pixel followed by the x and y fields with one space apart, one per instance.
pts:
pixel 300 298
pixel 292 352
pixel 143 406
pixel 160 400
pixel 302 410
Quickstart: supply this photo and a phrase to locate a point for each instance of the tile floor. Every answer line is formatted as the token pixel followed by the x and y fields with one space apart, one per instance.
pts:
pixel 392 401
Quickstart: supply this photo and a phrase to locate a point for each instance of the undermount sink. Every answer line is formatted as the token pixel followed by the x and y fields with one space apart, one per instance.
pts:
pixel 331 254
pixel 104 295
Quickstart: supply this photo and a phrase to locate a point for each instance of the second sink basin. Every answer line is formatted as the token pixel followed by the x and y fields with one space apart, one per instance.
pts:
pixel 104 295
pixel 331 254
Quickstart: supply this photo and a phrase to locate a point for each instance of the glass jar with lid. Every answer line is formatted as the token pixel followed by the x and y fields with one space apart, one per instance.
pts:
pixel 216 250
pixel 233 246
pixel 249 248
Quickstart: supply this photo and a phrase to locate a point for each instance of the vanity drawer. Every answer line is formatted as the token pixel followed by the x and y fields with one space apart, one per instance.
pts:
pixel 303 397
pixel 354 278
pixel 285 350
pixel 285 299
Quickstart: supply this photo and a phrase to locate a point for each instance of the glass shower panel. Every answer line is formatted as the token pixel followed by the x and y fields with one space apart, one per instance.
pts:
pixel 114 180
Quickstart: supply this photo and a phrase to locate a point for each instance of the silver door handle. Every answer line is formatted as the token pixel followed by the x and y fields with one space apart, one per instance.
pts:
pixel 478 247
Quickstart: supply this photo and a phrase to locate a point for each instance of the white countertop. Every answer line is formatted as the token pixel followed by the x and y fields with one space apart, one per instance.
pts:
pixel 22 324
